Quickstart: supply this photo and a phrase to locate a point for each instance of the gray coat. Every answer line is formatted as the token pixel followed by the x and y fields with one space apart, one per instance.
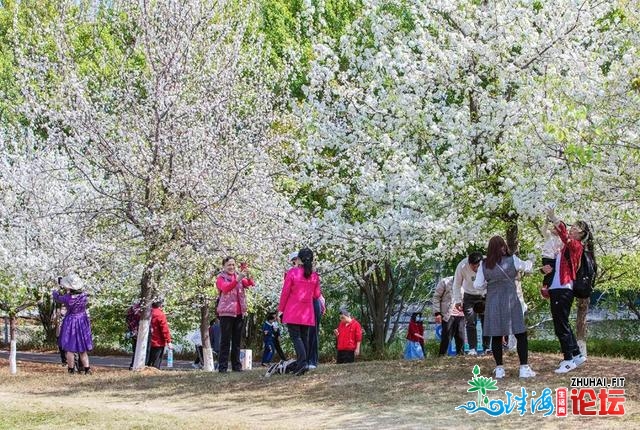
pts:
pixel 442 298
pixel 503 313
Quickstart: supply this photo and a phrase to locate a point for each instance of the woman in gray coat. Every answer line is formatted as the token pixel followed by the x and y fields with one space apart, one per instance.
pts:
pixel 503 313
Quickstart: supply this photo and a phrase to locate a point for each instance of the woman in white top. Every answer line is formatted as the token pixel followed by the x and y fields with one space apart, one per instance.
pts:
pixel 503 314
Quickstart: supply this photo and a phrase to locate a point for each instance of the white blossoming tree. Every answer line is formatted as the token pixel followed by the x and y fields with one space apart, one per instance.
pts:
pixel 41 223
pixel 428 125
pixel 169 121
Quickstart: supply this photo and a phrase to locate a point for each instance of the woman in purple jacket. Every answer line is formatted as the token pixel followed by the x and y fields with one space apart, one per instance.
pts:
pixel 301 286
pixel 75 332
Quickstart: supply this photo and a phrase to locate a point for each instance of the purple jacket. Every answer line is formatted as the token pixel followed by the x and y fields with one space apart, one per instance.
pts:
pixel 296 299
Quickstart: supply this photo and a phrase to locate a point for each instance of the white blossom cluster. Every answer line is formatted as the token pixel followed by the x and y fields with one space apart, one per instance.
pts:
pixel 433 125
pixel 172 142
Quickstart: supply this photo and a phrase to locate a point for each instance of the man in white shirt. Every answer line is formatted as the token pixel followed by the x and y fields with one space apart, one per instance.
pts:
pixel 463 284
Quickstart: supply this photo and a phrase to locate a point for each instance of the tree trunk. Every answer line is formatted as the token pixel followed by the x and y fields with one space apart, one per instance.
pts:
pixel 13 321
pixel 6 330
pixel 512 236
pixel 46 314
pixel 146 291
pixel 581 325
pixel 373 283
pixel 207 351
pixel 364 313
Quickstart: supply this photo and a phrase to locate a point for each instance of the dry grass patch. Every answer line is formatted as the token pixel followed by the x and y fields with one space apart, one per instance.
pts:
pixel 390 394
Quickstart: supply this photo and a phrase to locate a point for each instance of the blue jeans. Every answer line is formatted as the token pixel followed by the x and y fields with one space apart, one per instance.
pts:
pixel 314 334
pixel 267 354
pixel 300 337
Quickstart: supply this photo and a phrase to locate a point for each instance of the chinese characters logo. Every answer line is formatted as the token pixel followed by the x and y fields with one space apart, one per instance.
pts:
pixel 588 396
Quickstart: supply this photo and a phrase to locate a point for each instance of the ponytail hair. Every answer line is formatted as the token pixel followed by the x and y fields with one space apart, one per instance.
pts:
pixel 306 256
pixel 587 238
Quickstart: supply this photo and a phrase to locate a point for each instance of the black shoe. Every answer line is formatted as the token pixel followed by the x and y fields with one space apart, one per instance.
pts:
pixel 302 371
pixel 88 371
pixel 71 370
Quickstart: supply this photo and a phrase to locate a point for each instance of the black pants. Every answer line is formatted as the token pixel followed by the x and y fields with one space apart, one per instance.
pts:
pixel 471 318
pixel 454 328
pixel 276 344
pixel 155 356
pixel 314 334
pixel 548 278
pixel 300 337
pixel 346 357
pixel 63 355
pixel 560 303
pixel 230 337
pixel 199 356
pixel 523 348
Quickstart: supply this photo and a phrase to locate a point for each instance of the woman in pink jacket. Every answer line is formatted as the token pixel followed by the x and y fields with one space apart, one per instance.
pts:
pixel 301 286
pixel 232 307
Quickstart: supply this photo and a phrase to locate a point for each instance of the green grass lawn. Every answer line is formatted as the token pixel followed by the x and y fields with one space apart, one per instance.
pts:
pixel 371 395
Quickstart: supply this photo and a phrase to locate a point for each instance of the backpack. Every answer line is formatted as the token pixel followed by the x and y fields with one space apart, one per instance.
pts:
pixel 585 276
pixel 280 368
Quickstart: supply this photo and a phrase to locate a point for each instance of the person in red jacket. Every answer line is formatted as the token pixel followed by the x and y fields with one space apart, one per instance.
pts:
pixel 349 336
pixel 415 336
pixel 160 335
pixel 561 288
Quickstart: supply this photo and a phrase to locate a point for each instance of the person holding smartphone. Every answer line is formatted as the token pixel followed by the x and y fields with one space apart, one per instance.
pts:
pixel 232 308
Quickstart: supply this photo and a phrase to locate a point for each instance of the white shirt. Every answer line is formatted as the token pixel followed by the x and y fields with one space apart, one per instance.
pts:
pixel 552 246
pixel 463 281
pixel 555 284
pixel 521 266
pixel 196 337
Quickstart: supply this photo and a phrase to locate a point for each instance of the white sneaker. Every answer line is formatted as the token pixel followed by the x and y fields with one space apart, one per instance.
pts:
pixel 472 352
pixel 499 371
pixel 565 366
pixel 526 371
pixel 311 367
pixel 579 360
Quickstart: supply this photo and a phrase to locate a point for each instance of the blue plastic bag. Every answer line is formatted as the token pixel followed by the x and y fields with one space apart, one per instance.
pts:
pixel 413 351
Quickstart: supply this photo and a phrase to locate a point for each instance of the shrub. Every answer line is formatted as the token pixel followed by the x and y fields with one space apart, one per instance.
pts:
pixel 597 347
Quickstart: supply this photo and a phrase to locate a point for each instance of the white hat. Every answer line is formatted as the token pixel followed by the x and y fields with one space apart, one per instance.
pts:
pixel 72 282
pixel 293 255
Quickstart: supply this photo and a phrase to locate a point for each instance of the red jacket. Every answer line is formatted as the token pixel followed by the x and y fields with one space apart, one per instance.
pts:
pixel 569 256
pixel 349 335
pixel 160 335
pixel 415 328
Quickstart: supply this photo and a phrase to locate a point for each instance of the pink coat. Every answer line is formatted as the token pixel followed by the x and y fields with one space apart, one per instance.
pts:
pixel 233 301
pixel 296 299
